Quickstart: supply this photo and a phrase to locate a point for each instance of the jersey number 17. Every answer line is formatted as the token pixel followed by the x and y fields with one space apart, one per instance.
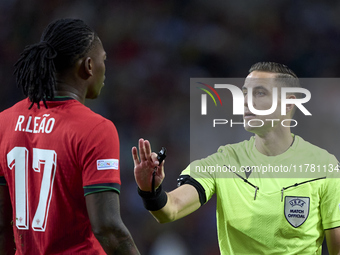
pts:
pixel 43 161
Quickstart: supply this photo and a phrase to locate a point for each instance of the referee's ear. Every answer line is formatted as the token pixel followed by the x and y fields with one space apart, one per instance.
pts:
pixel 290 108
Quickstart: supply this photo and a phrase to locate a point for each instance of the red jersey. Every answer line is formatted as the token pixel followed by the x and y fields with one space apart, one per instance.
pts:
pixel 51 159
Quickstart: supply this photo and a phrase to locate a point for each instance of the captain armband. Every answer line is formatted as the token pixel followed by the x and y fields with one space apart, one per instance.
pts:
pixel 187 179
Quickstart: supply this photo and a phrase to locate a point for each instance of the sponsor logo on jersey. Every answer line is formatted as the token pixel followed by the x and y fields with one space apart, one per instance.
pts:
pixel 107 164
pixel 296 210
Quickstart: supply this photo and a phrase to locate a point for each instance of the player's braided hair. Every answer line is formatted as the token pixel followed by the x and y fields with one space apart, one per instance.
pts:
pixel 62 43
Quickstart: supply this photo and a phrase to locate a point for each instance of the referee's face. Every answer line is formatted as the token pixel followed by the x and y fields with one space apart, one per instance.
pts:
pixel 261 84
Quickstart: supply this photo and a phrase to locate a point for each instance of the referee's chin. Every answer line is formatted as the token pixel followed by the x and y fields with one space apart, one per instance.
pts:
pixel 254 126
pixel 257 129
pixel 253 130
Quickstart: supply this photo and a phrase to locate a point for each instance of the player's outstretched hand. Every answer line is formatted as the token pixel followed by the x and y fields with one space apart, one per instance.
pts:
pixel 145 164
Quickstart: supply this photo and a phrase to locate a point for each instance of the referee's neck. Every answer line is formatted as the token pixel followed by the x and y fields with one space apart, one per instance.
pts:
pixel 274 143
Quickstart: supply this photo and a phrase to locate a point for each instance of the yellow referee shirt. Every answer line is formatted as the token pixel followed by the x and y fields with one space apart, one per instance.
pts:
pixel 271 204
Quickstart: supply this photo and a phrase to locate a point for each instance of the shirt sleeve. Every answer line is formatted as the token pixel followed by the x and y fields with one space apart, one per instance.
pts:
pixel 100 159
pixel 201 171
pixel 330 200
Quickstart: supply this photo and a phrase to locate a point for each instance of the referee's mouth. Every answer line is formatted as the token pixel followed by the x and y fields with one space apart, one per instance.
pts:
pixel 249 115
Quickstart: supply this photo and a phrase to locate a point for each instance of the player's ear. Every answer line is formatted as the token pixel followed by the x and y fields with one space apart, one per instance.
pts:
pixel 88 65
pixel 84 68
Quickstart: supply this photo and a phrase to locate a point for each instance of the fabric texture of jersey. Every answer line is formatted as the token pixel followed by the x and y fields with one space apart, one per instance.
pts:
pixel 259 213
pixel 48 157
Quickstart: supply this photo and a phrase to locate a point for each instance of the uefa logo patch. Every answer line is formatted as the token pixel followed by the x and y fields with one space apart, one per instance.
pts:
pixel 296 210
pixel 107 164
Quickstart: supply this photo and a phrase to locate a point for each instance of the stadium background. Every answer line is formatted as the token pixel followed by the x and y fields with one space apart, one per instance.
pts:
pixel 153 49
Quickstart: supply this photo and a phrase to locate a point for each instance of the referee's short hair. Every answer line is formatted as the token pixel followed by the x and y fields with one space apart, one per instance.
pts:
pixel 285 76
pixel 272 67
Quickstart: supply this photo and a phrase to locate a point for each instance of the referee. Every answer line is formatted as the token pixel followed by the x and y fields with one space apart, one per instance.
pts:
pixel 256 213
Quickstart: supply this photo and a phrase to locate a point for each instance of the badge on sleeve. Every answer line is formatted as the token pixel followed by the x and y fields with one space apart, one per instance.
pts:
pixel 107 164
pixel 296 210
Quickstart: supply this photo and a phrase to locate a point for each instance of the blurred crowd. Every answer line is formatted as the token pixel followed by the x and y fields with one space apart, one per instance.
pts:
pixel 154 47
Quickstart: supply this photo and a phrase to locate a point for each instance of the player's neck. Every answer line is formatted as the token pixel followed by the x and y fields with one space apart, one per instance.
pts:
pixel 65 89
pixel 272 143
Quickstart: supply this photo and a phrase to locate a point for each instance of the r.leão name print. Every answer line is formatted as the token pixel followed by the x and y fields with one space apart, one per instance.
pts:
pixel 35 124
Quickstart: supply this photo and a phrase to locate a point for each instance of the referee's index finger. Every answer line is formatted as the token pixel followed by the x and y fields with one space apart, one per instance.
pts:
pixel 135 155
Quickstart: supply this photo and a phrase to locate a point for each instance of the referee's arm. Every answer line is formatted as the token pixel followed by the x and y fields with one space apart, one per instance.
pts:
pixel 181 202
pixel 333 240
pixel 165 207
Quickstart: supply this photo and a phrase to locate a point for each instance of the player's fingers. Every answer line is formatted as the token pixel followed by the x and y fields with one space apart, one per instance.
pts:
pixel 135 155
pixel 142 155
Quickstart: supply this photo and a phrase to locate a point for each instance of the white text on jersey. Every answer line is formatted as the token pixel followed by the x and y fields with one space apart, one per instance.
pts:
pixel 38 125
